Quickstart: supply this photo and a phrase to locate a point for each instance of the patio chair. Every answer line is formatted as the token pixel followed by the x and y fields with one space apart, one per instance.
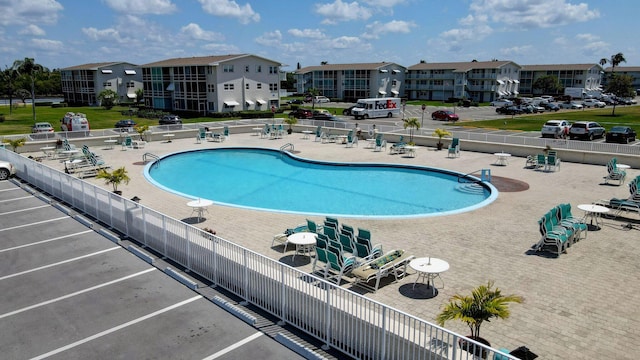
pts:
pixel 553 161
pixel 313 227
pixel 318 134
pixel 330 231
pixel 550 237
pixel 347 243
pixel 280 239
pixel 531 162
pixel 127 143
pixel 380 143
pixel 220 137
pixel 265 132
pixel 392 263
pixel 454 148
pixel 613 173
pixel 363 234
pixel 365 253
pixel 202 135
pixel 541 161
pixel 321 261
pixel 351 139
pixel 566 219
pixel 622 206
pixel 339 264
pixel 399 147
pixel 322 241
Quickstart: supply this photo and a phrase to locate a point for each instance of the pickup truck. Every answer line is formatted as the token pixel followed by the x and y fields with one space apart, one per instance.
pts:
pixel 556 129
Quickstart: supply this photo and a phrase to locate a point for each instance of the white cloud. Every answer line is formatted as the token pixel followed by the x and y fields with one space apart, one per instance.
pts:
pixel 33 30
pixel 157 7
pixel 587 37
pixel 229 8
pixel 375 29
pixel 307 33
pixel 271 39
pixel 384 3
pixel 533 14
pixel 45 44
pixel 465 34
pixel 340 11
pixel 194 31
pixel 20 12
pixel 516 50
pixel 103 35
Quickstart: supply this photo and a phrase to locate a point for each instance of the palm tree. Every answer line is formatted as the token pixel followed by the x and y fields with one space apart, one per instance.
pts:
pixel 31 69
pixel 615 60
pixel 411 123
pixel 15 143
pixel 483 304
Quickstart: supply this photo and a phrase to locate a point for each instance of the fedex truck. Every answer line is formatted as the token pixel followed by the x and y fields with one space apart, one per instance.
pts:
pixel 377 107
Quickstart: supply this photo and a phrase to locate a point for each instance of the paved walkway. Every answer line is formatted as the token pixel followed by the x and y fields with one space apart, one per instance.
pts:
pixel 581 305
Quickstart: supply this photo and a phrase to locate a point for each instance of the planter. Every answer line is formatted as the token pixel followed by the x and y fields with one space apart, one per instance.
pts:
pixel 117 192
pixel 474 349
pixel 289 131
pixel 439 146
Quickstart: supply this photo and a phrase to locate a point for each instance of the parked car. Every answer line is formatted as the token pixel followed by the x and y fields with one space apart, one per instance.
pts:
pixel 509 110
pixel 570 105
pixel 556 129
pixel 551 106
pixel 538 109
pixel 42 127
pixel 621 134
pixel 624 101
pixel 586 130
pixel 527 109
pixel 125 124
pixel 444 115
pixel 170 120
pixel 295 102
pixel 322 114
pixel 301 114
pixel 501 103
pixel 6 170
pixel 593 103
pixel 321 99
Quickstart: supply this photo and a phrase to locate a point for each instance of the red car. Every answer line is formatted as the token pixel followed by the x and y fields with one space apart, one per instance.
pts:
pixel 444 115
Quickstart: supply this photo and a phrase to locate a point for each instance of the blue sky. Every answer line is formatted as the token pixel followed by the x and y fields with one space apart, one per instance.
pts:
pixel 62 33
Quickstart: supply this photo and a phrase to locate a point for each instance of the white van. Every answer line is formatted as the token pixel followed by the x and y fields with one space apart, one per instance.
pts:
pixel 74 122
pixel 376 107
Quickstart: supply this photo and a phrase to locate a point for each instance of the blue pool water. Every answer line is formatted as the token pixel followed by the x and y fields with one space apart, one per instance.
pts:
pixel 266 179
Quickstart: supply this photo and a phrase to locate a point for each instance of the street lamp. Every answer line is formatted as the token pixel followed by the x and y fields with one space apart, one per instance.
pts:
pixel 424 107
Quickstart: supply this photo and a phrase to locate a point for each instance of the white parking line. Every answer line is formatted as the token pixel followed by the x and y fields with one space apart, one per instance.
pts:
pixel 14 199
pixel 45 241
pixel 75 293
pixel 35 223
pixel 59 263
pixel 116 328
pixel 27 209
pixel 234 346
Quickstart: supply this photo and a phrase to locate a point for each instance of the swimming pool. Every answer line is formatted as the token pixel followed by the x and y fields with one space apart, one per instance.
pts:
pixel 267 179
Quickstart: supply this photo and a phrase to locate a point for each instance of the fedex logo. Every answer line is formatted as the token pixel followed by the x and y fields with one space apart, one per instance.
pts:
pixel 389 104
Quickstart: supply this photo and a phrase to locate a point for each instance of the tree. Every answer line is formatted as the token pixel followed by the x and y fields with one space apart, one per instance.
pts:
pixel 23 94
pixel 15 143
pixel 29 68
pixel 621 86
pixel 548 84
pixel 115 177
pixel 615 60
pixel 8 78
pixel 313 92
pixel 483 304
pixel 411 123
pixel 107 98
pixel 139 95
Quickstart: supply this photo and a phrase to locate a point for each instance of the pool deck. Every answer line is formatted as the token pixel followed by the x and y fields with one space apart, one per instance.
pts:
pixel 580 305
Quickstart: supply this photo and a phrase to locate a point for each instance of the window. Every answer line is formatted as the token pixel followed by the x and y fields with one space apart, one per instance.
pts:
pixel 394 82
pixel 246 68
pixel 259 86
pixel 228 87
pixel 273 69
pixel 273 87
pixel 106 84
pixel 258 68
pixel 246 86
pixel 211 88
pixel 227 68
pixel 130 84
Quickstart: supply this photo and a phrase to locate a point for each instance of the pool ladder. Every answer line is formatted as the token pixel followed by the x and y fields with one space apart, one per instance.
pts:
pixel 151 156
pixel 286 146
pixel 485 175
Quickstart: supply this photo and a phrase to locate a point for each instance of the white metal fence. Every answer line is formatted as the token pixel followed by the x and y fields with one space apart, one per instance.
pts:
pixel 340 318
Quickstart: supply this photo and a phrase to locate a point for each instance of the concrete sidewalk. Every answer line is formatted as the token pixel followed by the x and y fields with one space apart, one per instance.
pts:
pixel 580 305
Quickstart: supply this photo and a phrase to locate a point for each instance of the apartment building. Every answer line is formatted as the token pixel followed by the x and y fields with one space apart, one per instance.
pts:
pixel 350 82
pixel 480 81
pixel 586 76
pixel 633 71
pixel 81 84
pixel 209 84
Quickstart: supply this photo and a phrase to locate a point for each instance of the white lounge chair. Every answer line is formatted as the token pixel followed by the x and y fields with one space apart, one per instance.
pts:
pixel 392 263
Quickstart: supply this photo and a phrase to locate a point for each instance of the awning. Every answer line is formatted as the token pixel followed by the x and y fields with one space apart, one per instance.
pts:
pixel 130 72
pixel 382 92
pixel 384 70
pixel 261 102
pixel 131 96
pixel 106 71
pixel 515 93
pixel 500 82
pixel 395 71
pixel 395 92
pixel 249 102
pixel 516 81
pixel 231 103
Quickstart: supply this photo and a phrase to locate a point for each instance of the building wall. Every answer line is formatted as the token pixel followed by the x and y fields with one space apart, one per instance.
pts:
pixel 82 86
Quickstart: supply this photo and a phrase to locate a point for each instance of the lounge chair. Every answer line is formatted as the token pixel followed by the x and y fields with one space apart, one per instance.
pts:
pixel 531 162
pixel 127 143
pixel 318 133
pixel 392 263
pixel 220 137
pixel 567 220
pixel 265 132
pixel 202 135
pixel 339 264
pixel 553 161
pixel 399 147
pixel 541 161
pixel 380 143
pixel 351 139
pixel 454 148
pixel 613 173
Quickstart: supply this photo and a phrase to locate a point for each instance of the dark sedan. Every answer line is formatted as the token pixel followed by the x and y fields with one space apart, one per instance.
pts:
pixel 125 124
pixel 444 115
pixel 621 134
pixel 509 110
pixel 552 106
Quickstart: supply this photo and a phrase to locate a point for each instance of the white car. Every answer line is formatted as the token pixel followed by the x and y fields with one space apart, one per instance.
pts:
pixel 321 99
pixel 571 105
pixel 593 102
pixel 501 103
pixel 556 129
pixel 6 170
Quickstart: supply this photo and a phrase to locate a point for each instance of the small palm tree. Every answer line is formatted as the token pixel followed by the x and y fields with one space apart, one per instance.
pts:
pixel 15 143
pixel 483 304
pixel 411 123
pixel 440 133
pixel 615 60
pixel 114 177
pixel 141 129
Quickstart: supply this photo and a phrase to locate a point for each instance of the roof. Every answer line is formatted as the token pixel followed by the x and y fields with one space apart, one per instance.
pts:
pixel 212 60
pixel 352 66
pixel 96 66
pixel 623 69
pixel 558 67
pixel 460 66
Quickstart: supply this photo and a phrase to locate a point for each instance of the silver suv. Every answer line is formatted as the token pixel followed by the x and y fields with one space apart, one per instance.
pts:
pixel 586 130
